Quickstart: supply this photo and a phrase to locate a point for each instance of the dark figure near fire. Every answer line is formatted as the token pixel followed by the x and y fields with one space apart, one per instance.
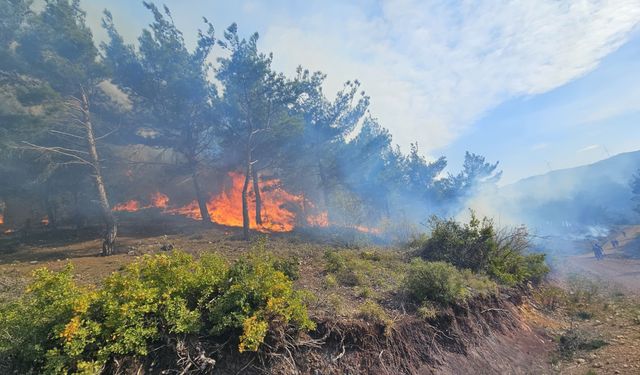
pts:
pixel 598 251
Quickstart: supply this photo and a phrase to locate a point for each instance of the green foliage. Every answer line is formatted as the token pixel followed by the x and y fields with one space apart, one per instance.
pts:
pixel 31 326
pixel 373 312
pixel 463 245
pixel 368 269
pixel 427 311
pixel 255 294
pixel 479 284
pixel 435 281
pixel 512 268
pixel 58 327
pixel 479 247
pixel 290 266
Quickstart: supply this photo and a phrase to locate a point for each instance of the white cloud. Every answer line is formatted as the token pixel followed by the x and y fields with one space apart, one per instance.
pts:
pixel 539 146
pixel 589 148
pixel 432 69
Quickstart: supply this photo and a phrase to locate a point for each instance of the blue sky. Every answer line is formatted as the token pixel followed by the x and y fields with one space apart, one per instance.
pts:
pixel 536 84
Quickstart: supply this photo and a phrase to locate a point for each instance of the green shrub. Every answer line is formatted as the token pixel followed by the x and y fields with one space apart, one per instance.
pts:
pixel 466 246
pixel 427 311
pixel 372 312
pixel 30 327
pixel 290 266
pixel 478 246
pixel 255 294
pixel 435 281
pixel 372 269
pixel 58 327
pixel 511 268
pixel 479 284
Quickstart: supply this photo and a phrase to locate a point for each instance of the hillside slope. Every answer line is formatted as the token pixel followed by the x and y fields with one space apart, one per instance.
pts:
pixel 597 194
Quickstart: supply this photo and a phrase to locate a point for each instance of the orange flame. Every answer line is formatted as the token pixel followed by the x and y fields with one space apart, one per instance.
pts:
pixel 226 207
pixel 129 206
pixel 159 200
pixel 1 219
pixel 279 207
pixel 45 220
pixel 363 229
pixel 319 220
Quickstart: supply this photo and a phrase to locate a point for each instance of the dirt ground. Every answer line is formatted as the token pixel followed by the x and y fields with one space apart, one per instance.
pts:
pixel 616 317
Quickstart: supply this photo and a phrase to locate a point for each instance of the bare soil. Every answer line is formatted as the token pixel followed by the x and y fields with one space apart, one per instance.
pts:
pixel 616 314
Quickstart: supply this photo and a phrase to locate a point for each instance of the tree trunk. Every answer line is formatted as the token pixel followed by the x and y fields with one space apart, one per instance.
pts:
pixel 324 182
pixel 50 207
pixel 51 213
pixel 256 191
pixel 202 202
pixel 245 205
pixel 111 226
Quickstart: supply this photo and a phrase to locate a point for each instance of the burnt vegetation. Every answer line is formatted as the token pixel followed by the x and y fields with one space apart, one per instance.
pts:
pixel 160 134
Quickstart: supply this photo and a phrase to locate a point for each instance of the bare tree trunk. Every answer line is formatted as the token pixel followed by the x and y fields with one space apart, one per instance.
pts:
pixel 324 182
pixel 202 202
pixel 111 226
pixel 256 190
pixel 245 205
pixel 50 207
pixel 51 213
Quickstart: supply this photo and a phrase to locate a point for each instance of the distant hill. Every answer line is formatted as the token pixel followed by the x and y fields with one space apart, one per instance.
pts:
pixel 592 195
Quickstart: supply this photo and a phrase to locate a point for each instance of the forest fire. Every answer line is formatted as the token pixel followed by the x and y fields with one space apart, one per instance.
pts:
pixel 1 219
pixel 158 200
pixel 226 207
pixel 278 212
pixel 319 220
pixel 129 206
pixel 45 221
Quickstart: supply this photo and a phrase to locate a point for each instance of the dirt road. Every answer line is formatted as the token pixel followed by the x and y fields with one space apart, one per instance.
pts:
pixel 618 270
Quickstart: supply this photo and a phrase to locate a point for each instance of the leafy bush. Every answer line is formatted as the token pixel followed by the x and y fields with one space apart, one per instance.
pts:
pixel 427 311
pixel 479 284
pixel 59 327
pixel 372 312
pixel 435 281
pixel 373 269
pixel 479 247
pixel 255 294
pixel 30 327
pixel 290 266
pixel 463 245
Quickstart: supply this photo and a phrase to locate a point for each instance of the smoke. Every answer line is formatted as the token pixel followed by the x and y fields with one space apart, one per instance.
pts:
pixel 566 210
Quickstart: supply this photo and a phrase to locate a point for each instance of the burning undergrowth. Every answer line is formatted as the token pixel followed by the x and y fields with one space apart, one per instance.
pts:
pixel 279 209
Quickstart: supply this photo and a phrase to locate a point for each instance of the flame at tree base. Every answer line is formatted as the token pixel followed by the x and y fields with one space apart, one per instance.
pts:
pixel 226 207
pixel 278 213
